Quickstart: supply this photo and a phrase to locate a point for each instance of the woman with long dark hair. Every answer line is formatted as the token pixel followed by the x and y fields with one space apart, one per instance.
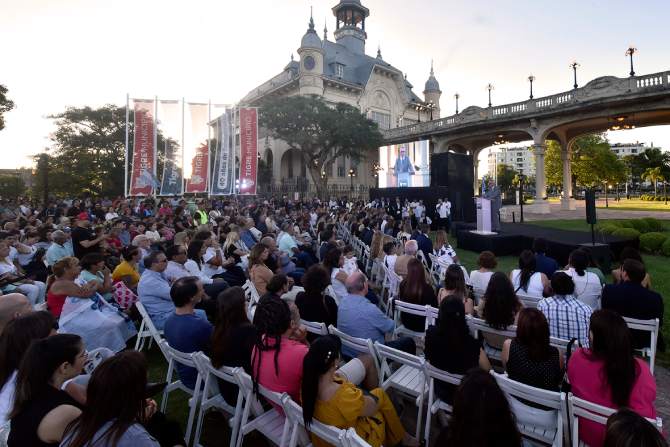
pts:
pixel 233 338
pixel 416 290
pixel 450 347
pixel 116 406
pixel 500 305
pixel 481 415
pixel 314 304
pixel 609 374
pixel 454 284
pixel 333 263
pixel 331 399
pixel 587 285
pixel 526 279
pixel 41 409
pixel 529 358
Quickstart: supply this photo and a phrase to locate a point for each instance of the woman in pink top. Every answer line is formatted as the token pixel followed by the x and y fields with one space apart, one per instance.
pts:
pixel 608 374
pixel 276 360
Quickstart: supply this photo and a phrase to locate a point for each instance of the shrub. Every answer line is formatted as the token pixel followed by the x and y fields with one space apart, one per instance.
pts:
pixel 665 248
pixel 653 224
pixel 626 233
pixel 607 228
pixel 652 242
pixel 640 225
pixel 626 224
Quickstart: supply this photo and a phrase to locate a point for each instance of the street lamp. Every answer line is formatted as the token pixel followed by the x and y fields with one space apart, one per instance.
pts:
pixel 352 174
pixel 531 78
pixel 489 87
pixel 456 96
pixel 630 52
pixel 574 66
pixel 431 106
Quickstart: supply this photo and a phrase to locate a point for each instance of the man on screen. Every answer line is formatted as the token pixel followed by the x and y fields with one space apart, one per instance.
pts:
pixel 403 168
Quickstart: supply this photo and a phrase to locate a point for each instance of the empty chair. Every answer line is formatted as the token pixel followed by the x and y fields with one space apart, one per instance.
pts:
pixel 650 326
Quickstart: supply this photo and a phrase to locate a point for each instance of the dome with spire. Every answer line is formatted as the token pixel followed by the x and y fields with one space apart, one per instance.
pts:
pixel 431 84
pixel 311 39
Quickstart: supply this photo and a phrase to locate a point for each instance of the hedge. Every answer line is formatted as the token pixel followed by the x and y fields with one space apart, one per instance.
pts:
pixel 665 248
pixel 653 224
pixel 627 233
pixel 640 225
pixel 652 242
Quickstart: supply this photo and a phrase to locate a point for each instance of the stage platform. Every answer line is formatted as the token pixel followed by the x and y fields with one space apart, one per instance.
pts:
pixel 516 237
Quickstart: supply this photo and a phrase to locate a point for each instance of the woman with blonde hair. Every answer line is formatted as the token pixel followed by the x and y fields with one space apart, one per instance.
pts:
pixel 376 244
pixel 231 249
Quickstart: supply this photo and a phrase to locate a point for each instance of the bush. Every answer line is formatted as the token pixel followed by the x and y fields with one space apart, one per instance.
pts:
pixel 626 233
pixel 652 242
pixel 653 224
pixel 608 228
pixel 665 248
pixel 640 225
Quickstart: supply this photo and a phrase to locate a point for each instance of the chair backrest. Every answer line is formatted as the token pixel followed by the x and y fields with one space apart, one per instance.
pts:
pixel 177 356
pixel 315 327
pixel 361 345
pixel 478 294
pixel 250 292
pixel 650 326
pixel 351 439
pixel 332 435
pixel 205 367
pixel 403 307
pixel 388 354
pixel 432 373
pixel 148 323
pixel 479 325
pixel 528 300
pixel 431 315
pixel 546 398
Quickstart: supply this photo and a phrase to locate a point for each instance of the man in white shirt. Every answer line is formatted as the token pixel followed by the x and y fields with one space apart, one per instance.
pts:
pixel 444 212
pixel 175 269
pixel 419 209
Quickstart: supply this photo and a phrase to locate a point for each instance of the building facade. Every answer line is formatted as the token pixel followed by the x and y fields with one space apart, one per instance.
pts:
pixel 624 149
pixel 339 70
pixel 520 159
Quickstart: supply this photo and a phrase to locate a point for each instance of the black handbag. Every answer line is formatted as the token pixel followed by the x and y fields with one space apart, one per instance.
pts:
pixel 565 384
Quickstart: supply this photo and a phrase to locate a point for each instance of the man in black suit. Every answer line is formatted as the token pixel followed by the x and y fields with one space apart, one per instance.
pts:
pixel 630 299
pixel 423 241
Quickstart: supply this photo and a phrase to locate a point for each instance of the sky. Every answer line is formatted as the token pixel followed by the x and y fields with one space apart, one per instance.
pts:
pixel 60 53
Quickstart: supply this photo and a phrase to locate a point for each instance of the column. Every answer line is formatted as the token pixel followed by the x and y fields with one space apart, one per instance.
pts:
pixel 475 162
pixel 540 184
pixel 566 202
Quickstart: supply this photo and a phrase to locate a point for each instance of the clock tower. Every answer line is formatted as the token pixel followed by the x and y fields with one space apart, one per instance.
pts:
pixel 311 62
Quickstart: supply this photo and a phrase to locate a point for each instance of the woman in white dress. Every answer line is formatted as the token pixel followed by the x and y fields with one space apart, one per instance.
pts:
pixel 12 280
pixel 587 284
pixel 334 263
pixel 487 263
pixel 525 279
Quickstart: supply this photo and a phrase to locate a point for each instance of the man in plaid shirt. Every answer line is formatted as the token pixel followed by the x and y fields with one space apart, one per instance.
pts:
pixel 568 317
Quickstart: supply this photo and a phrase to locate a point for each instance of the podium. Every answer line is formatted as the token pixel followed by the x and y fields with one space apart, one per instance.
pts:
pixel 483 207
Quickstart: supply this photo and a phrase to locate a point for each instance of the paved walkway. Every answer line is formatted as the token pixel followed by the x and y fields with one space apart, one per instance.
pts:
pixel 557 213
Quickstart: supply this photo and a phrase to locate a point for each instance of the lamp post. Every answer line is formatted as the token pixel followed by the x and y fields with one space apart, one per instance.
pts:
pixel 489 87
pixel 574 66
pixel 456 96
pixel 352 174
pixel 630 52
pixel 531 78
pixel 431 106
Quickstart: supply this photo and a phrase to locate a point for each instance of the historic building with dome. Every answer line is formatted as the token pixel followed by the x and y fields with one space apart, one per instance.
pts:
pixel 339 70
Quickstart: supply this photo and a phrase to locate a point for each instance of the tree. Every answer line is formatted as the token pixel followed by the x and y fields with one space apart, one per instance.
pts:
pixel 11 186
pixel 594 163
pixel 553 164
pixel 506 175
pixel 654 175
pixel 320 132
pixel 5 105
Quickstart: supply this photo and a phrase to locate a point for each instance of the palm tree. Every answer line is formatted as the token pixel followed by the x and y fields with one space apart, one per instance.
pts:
pixel 653 175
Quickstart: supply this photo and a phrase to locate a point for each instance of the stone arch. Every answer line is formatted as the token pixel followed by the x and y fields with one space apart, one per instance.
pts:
pixel 291 165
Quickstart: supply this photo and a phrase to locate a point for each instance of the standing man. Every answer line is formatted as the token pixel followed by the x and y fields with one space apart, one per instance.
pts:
pixel 443 209
pixel 403 168
pixel 493 194
pixel 84 239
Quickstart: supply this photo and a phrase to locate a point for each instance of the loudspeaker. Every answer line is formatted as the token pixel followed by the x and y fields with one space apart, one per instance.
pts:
pixel 590 197
pixel 456 172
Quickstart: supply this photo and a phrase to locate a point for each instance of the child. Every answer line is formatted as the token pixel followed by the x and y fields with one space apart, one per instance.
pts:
pixel 350 262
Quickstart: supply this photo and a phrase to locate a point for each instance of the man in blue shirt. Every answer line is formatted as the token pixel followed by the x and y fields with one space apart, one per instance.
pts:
pixel 544 263
pixel 187 329
pixel 358 317
pixel 154 289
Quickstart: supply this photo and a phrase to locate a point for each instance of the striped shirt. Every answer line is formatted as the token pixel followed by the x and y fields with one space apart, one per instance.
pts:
pixel 568 317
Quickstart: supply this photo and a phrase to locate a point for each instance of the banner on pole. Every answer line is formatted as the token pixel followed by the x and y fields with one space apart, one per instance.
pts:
pixel 198 143
pixel 170 126
pixel 222 183
pixel 248 150
pixel 142 180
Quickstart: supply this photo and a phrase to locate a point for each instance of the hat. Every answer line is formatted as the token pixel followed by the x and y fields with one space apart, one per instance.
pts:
pixel 82 216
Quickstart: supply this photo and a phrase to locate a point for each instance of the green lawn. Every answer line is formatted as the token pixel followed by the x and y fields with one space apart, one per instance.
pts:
pixel 633 205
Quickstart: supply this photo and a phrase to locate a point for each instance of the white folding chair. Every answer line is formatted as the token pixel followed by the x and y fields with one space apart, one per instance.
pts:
pixel 516 392
pixel 435 403
pixel 409 379
pixel 422 257
pixel 392 282
pixel 434 269
pixel 650 326
pixel 431 316
pixel 315 327
pixel 528 300
pixel 212 398
pixel 351 439
pixel 580 408
pixel 359 345
pixel 252 296
pixel 332 435
pixel 147 329
pixel 271 423
pixel 175 357
pixel 402 307
pixel 478 326
pixel 477 295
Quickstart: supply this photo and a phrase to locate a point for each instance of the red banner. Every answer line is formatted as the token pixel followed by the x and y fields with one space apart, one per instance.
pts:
pixel 248 150
pixel 199 171
pixel 144 153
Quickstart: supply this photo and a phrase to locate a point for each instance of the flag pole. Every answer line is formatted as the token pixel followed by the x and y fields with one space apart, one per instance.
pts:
pixel 125 170
pixel 155 167
pixel 209 147
pixel 183 148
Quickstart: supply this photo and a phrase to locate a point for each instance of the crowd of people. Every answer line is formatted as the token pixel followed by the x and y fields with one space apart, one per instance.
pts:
pixel 73 272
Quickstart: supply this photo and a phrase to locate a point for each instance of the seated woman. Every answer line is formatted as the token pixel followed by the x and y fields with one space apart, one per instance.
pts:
pixel 450 346
pixel 487 263
pixel 593 266
pixel 627 428
pixel 11 280
pixel 233 338
pixel 333 400
pixel 86 313
pixel 17 336
pixel 415 289
pixel 117 410
pixel 314 304
pixel 259 273
pixel 443 250
pixel 609 374
pixel 93 268
pixel 529 358
pixel 128 271
pixel 481 415
pixel 333 262
pixel 630 253
pixel 587 285
pixel 499 308
pixel 390 254
pixel 454 284
pixel 232 250
pixel 526 279
pixel 42 411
